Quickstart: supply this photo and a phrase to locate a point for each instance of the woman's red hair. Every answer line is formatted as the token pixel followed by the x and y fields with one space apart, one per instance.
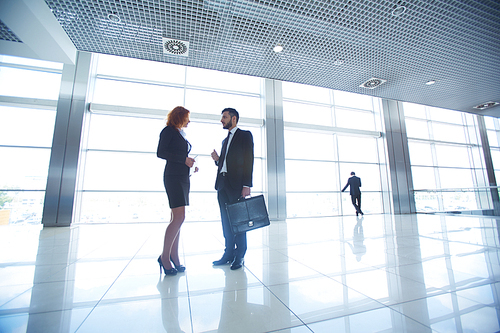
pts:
pixel 177 117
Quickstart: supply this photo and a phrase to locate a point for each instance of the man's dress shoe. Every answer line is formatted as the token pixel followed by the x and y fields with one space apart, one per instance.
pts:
pixel 237 263
pixel 222 261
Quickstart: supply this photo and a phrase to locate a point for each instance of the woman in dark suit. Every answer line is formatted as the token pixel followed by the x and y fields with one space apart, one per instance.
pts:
pixel 174 148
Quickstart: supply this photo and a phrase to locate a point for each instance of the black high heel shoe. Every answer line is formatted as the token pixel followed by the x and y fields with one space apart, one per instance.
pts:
pixel 171 271
pixel 179 267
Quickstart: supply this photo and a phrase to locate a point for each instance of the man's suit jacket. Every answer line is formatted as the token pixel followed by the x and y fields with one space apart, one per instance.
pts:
pixel 239 161
pixel 354 184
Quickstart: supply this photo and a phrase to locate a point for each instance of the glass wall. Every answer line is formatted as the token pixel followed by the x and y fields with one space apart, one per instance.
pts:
pixel 493 131
pixel 327 135
pixel 339 136
pixel 121 177
pixel 29 90
pixel 446 160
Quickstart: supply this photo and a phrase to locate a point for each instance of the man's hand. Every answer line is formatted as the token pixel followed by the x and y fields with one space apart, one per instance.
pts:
pixel 190 162
pixel 215 156
pixel 245 192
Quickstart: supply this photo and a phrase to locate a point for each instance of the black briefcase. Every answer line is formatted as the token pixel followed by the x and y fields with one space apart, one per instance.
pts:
pixel 248 214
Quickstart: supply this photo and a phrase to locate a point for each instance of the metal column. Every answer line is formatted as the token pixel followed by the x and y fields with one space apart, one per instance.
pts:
pixel 61 181
pixel 488 162
pixel 399 158
pixel 275 150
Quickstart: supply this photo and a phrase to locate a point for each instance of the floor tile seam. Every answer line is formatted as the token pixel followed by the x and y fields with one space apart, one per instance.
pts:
pixel 474 280
pixel 298 279
pixel 291 327
pixel 447 316
pixel 312 322
pixel 459 241
pixel 331 278
pixel 196 293
pixel 368 298
pixel 279 299
pixel 449 292
pixel 131 299
pixel 188 293
pixel 112 284
pixel 26 310
pixel 354 312
pixel 461 312
pixel 410 279
pixel 18 264
pixel 311 268
pixel 11 312
pixel 412 319
pixel 441 293
pixel 18 295
pixel 466 287
pixel 286 306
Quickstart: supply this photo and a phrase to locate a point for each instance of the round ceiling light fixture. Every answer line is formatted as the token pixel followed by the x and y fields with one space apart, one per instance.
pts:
pixel 278 48
pixel 372 83
pixel 114 18
pixel 175 47
pixel 398 11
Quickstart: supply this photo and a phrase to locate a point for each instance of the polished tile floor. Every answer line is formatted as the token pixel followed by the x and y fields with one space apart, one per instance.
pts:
pixel 380 273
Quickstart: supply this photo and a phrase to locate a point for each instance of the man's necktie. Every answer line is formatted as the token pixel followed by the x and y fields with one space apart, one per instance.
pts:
pixel 224 150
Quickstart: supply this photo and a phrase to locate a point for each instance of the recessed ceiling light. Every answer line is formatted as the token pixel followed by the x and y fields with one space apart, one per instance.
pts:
pixel 431 82
pixel 338 62
pixel 114 18
pixel 398 11
pixel 278 48
pixel 486 105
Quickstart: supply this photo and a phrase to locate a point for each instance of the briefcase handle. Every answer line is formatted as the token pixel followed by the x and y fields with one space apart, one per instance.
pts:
pixel 243 198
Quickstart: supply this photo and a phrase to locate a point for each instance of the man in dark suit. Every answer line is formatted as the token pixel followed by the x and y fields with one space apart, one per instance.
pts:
pixel 234 179
pixel 354 184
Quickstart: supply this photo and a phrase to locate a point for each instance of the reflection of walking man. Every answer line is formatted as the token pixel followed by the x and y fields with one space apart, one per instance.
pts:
pixel 354 184
pixel 357 247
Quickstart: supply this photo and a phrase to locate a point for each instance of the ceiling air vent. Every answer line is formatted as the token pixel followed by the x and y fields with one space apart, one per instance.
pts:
pixel 486 105
pixel 372 83
pixel 175 47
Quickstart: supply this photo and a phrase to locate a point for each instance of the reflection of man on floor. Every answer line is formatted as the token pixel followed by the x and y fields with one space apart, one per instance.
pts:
pixel 237 312
pixel 357 247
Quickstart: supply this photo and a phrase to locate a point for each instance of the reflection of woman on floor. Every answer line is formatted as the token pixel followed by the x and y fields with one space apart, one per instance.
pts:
pixel 169 291
pixel 359 249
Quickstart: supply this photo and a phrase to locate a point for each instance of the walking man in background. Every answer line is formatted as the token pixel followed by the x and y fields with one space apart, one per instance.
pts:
pixel 354 184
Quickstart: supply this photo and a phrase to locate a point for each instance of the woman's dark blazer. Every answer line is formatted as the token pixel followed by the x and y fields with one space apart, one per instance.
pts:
pixel 173 148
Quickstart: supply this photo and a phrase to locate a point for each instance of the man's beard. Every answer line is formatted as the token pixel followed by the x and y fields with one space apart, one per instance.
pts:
pixel 228 125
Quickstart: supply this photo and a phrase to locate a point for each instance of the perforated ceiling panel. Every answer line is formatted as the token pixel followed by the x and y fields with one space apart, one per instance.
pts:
pixel 7 34
pixel 334 44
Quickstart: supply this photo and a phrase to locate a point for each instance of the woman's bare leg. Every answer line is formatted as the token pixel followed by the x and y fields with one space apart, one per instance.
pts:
pixel 171 242
pixel 174 251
